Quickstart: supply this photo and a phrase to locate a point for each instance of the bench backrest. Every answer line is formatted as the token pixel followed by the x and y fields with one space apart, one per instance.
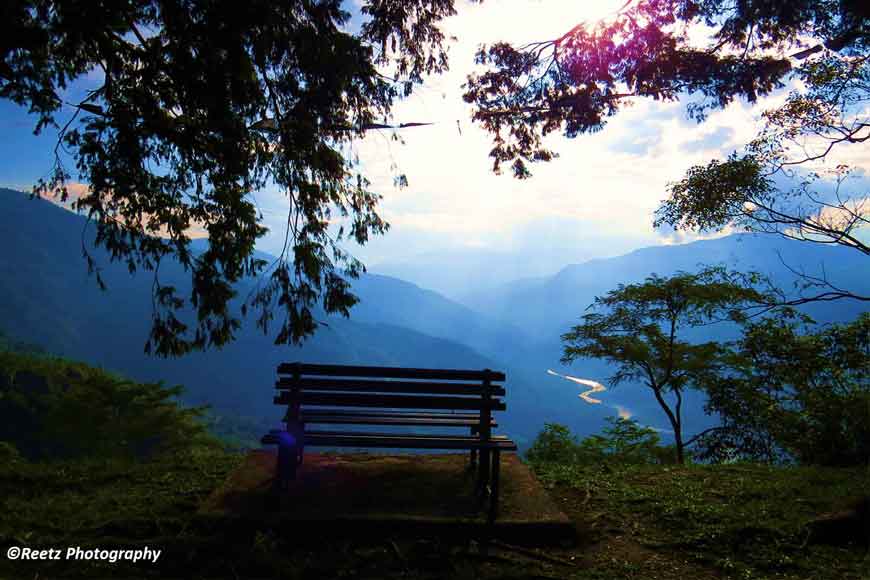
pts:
pixel 389 387
pixel 341 386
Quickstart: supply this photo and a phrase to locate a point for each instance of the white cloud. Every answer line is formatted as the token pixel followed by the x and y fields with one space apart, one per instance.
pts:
pixel 610 182
pixel 598 179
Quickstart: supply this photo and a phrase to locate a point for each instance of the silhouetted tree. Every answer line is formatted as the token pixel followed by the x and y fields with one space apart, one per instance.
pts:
pixel 200 104
pixel 639 332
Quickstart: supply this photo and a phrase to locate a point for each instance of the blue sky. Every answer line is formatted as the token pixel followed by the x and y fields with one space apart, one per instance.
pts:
pixel 23 157
pixel 596 200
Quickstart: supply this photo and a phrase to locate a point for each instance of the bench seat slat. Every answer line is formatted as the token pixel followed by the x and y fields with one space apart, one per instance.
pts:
pixel 389 372
pixel 380 420
pixel 374 386
pixel 368 412
pixel 409 441
pixel 389 401
pixel 419 435
pixel 382 440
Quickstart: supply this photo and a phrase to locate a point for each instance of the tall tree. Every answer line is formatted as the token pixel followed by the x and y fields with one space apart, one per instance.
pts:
pixel 203 103
pixel 574 83
pixel 640 329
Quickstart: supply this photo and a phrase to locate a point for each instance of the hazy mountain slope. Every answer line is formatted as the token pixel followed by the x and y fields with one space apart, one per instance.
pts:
pixel 454 273
pixel 547 307
pixel 49 299
pixel 394 301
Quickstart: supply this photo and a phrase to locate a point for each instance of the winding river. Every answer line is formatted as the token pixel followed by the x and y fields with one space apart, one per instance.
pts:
pixel 594 387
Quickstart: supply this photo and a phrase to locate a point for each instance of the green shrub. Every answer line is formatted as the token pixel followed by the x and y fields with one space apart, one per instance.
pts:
pixel 8 453
pixel 52 408
pixel 554 444
pixel 623 441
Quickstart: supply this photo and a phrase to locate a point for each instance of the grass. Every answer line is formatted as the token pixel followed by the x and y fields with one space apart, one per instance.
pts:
pixel 735 521
pixel 106 504
pixel 641 522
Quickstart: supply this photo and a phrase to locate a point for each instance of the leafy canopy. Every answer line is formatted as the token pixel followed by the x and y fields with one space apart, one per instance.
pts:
pixel 575 82
pixel 778 183
pixel 201 104
pixel 792 392
pixel 639 329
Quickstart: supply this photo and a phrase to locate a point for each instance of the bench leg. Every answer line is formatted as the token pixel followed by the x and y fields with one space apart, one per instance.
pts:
pixel 494 487
pixel 285 471
pixel 483 472
pixel 289 457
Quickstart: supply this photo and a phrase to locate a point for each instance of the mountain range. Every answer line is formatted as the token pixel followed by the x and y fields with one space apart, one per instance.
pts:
pixel 49 299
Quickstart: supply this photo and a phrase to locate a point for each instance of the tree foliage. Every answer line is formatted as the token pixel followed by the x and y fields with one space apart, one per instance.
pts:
pixel 778 183
pixel 52 408
pixel 201 104
pixel 639 329
pixel 650 49
pixel 793 392
pixel 575 82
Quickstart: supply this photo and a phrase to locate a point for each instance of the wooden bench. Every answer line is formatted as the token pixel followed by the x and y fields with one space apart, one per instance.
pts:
pixel 395 397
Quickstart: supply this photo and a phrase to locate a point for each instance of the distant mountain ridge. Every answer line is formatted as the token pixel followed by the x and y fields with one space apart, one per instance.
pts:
pixel 49 300
pixel 546 307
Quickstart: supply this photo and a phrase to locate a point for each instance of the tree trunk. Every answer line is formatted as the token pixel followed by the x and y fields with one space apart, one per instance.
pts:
pixel 675 422
pixel 678 438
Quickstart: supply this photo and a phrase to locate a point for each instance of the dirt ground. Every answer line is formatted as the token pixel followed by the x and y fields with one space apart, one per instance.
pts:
pixel 423 491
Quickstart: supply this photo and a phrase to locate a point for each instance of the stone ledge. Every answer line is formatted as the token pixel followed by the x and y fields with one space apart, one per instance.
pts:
pixel 361 493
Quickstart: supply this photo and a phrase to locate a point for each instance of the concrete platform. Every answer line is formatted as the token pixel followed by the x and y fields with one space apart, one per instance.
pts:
pixel 364 493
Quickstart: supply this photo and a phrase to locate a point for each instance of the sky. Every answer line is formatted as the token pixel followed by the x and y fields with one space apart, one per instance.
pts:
pixel 596 200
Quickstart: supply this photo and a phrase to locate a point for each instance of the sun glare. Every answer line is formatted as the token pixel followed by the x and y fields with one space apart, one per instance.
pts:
pixel 537 19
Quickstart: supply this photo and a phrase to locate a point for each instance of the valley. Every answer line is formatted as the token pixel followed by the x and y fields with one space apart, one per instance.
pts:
pixel 50 300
